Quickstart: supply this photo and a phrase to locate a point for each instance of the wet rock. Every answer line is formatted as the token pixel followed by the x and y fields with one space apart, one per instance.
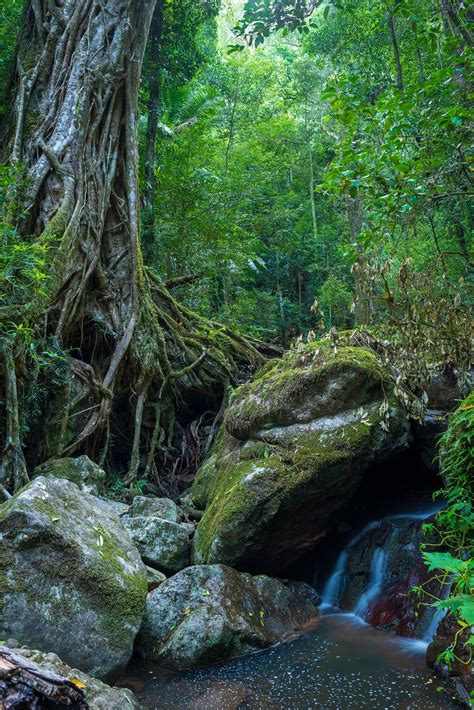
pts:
pixel 293 449
pixel 210 613
pixel 86 474
pixel 154 508
pixel 161 543
pixel 71 581
pixel 444 392
pixel 305 591
pixel 389 551
pixel 427 435
pixel 462 665
pixel 98 695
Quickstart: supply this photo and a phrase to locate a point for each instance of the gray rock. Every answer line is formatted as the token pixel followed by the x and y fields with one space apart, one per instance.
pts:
pixel 154 508
pixel 305 591
pixel 71 581
pixel 190 528
pixel 161 543
pixel 155 578
pixel 117 506
pixel 82 471
pixel 293 449
pixel 98 695
pixel 211 613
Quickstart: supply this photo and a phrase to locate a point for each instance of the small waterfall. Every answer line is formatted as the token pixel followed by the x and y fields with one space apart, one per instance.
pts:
pixel 331 593
pixel 376 579
pixel 382 544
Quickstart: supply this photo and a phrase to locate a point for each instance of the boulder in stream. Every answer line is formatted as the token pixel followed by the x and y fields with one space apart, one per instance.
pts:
pixel 293 449
pixel 71 581
pixel 210 613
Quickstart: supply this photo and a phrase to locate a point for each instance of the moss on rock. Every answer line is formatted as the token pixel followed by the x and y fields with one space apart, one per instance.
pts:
pixel 209 613
pixel 69 570
pixel 293 448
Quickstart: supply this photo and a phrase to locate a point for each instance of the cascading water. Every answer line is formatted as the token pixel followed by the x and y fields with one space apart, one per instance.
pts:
pixel 374 573
pixel 376 579
pixel 331 592
pixel 343 661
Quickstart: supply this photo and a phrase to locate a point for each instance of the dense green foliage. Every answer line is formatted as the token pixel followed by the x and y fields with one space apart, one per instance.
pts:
pixel 305 167
pixel 10 14
pixel 295 180
pixel 324 154
pixel 454 528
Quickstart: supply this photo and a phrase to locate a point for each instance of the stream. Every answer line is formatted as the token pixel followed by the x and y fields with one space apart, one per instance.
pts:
pixel 343 662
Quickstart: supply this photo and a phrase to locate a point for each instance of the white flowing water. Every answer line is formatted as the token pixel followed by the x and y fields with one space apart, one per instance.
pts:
pixel 342 664
pixel 334 586
pixel 376 579
pixel 331 593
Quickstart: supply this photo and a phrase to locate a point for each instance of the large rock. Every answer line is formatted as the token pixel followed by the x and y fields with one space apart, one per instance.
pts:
pixel 212 612
pixel 162 544
pixel 444 392
pixel 98 695
pixel 154 508
pixel 293 449
pixel 71 581
pixel 82 471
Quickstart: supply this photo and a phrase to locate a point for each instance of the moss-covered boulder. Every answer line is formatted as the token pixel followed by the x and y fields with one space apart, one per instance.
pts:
pixel 210 613
pixel 292 450
pixel 71 580
pixel 81 470
pixel 98 695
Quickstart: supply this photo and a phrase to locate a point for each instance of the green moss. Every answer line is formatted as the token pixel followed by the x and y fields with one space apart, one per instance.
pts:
pixel 267 398
pixel 234 500
pixel 102 579
pixel 255 473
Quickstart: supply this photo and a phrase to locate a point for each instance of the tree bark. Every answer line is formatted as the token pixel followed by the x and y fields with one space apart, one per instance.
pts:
pixel 152 123
pixel 311 193
pixel 355 217
pixel 129 345
pixel 396 49
pixel 451 11
pixel 23 683
pixel 13 472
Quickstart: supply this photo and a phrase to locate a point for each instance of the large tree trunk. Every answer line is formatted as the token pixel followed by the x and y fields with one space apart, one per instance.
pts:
pixel 132 350
pixel 149 196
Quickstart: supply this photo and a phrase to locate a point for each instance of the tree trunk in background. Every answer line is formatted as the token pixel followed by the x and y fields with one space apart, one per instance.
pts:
pixel 355 216
pixel 131 350
pixel 396 50
pixel 451 12
pixel 311 193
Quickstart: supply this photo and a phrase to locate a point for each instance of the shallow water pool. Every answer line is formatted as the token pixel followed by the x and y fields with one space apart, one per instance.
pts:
pixel 342 663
